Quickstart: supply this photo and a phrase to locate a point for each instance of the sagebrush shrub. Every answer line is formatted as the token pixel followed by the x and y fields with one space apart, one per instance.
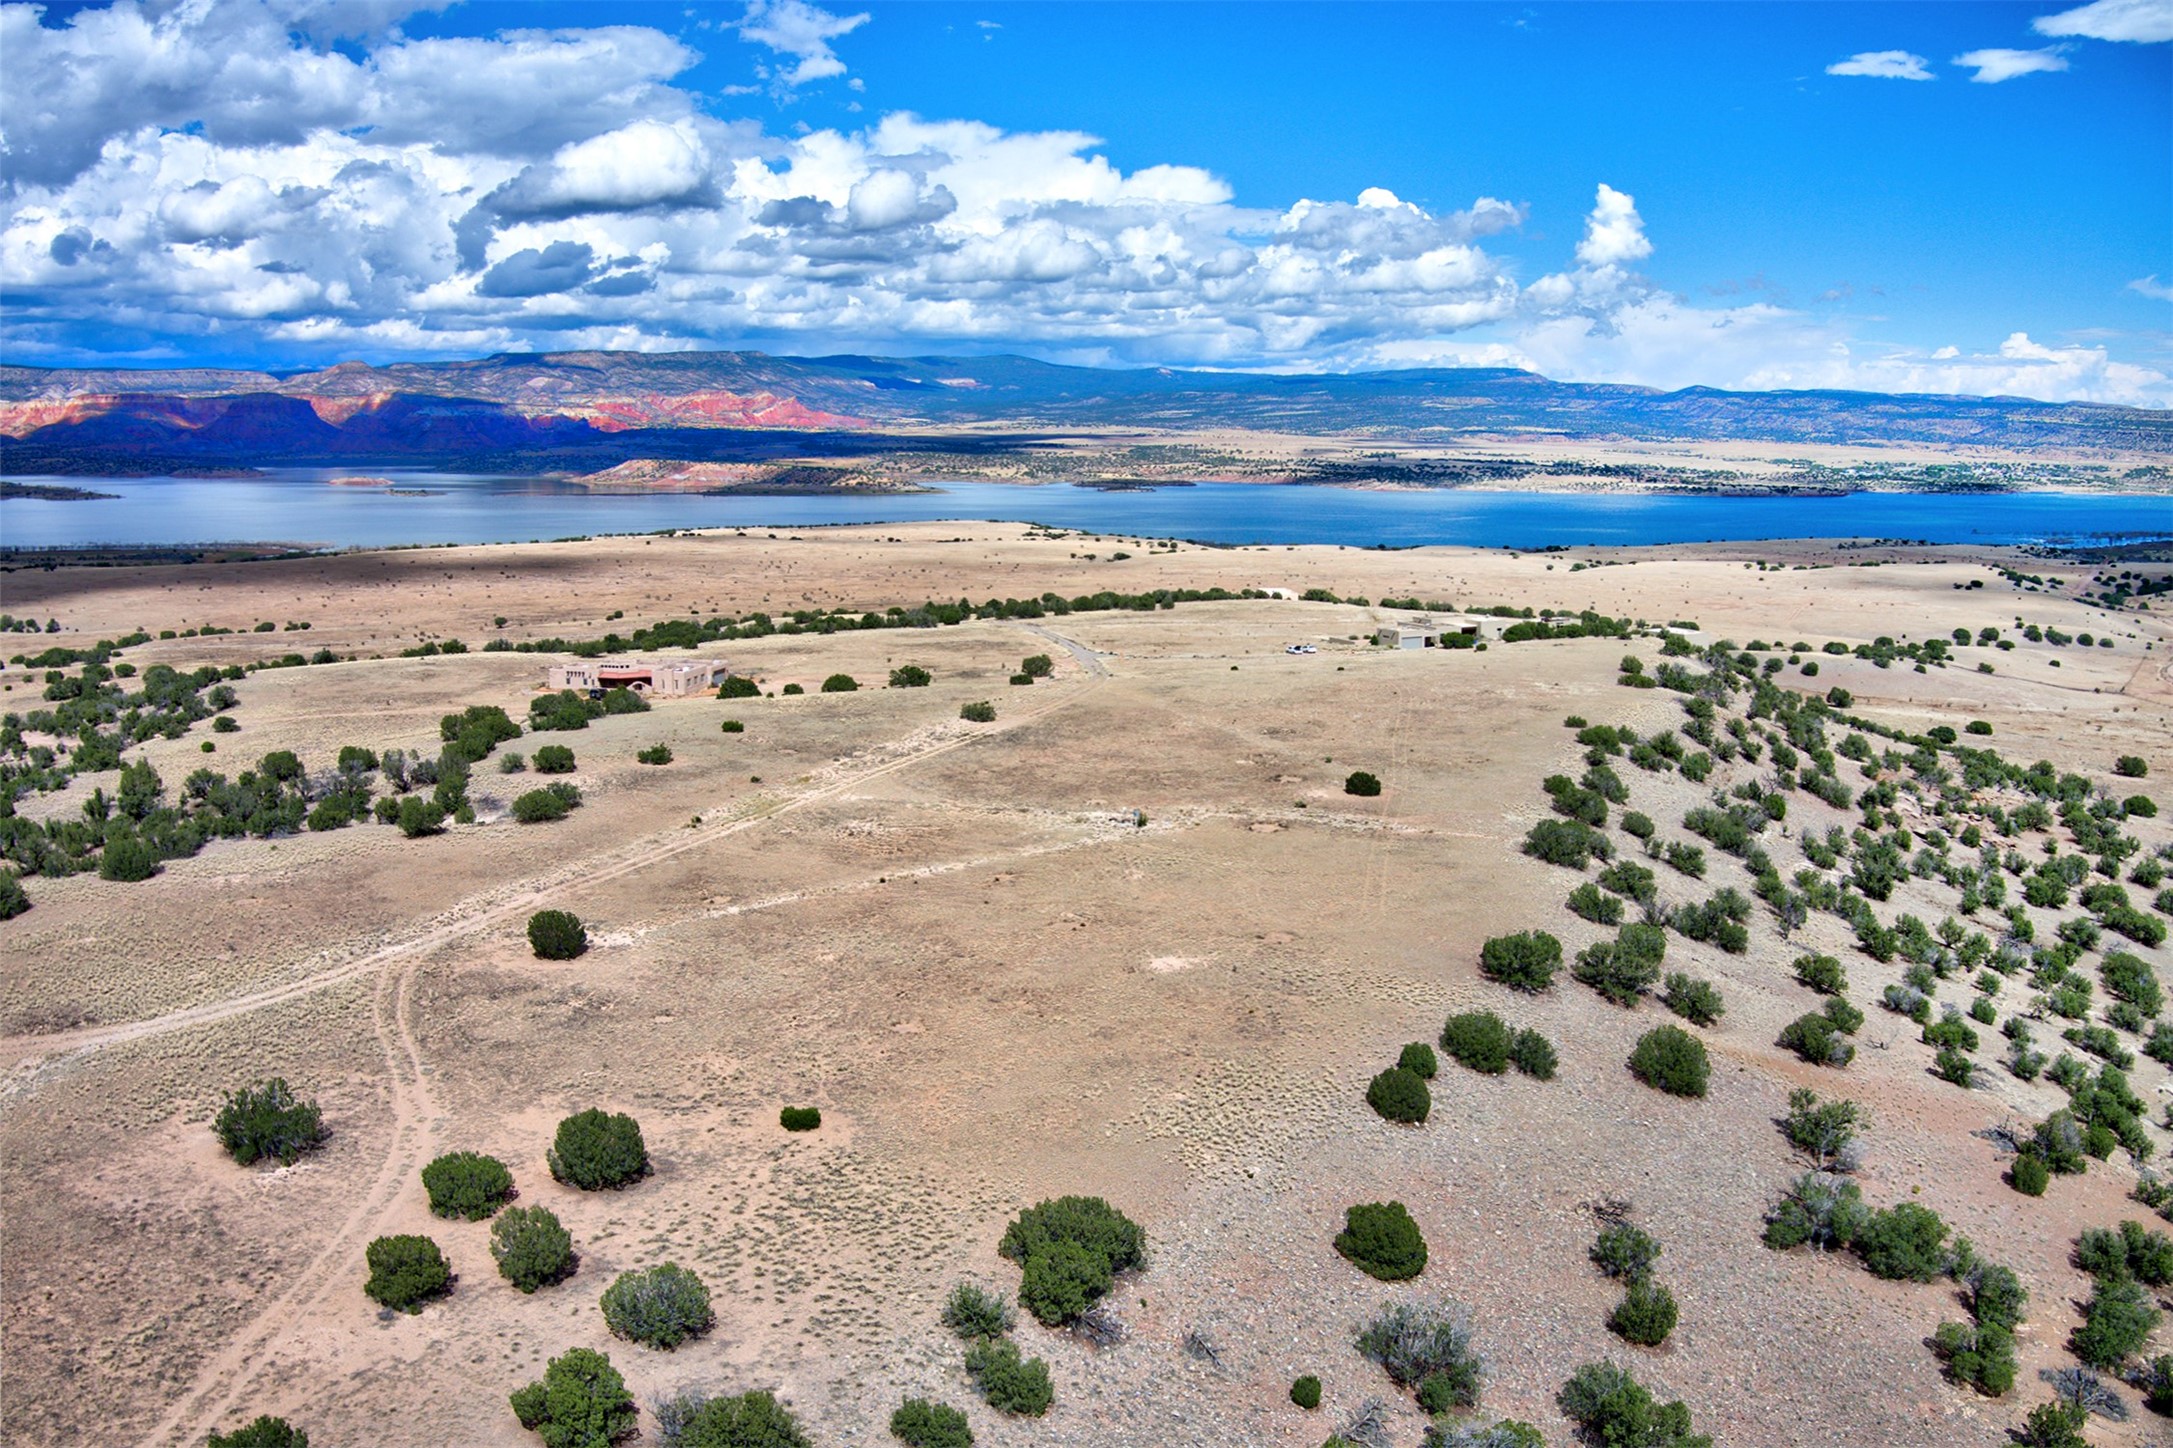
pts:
pixel 1624 1251
pixel 468 1185
pixel 661 1306
pixel 1422 1343
pixel 594 1150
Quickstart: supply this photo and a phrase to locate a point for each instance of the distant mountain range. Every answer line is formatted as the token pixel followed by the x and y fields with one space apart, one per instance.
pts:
pixel 590 410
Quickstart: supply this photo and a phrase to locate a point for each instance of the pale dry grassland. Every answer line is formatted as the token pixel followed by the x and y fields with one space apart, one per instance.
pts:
pixel 955 940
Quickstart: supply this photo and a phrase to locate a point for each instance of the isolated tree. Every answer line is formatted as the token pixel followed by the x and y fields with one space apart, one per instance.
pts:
pixel 595 1150
pixel 268 1122
pixel 468 1185
pixel 1525 961
pixel 1400 1095
pixel 557 935
pixel 405 1272
pixel 265 1432
pixel 840 684
pixel 910 676
pixel 533 1250
pixel 1646 1314
pixel 1480 1040
pixel 553 759
pixel 1071 1249
pixel 1381 1240
pixel 581 1402
pixel 1670 1059
pixel 660 1306
pixel 1362 784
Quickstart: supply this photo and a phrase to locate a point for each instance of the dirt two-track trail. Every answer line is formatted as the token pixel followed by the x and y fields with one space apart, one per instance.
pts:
pixel 229 1373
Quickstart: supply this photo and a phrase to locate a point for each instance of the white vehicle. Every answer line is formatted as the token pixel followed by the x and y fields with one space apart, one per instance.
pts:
pixel 1301 649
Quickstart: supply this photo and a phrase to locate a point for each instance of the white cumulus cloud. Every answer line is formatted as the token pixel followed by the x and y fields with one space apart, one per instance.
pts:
pixel 1614 232
pixel 1994 66
pixel 1884 65
pixel 801 31
pixel 2146 21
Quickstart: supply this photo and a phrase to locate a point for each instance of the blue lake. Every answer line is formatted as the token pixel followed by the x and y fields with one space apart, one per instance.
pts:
pixel 299 507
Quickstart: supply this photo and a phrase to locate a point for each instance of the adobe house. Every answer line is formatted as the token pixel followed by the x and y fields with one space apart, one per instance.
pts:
pixel 678 679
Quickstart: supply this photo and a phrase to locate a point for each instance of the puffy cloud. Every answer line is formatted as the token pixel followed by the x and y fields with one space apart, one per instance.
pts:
pixel 1884 65
pixel 1613 233
pixel 186 171
pixel 2146 21
pixel 1994 66
pixel 802 31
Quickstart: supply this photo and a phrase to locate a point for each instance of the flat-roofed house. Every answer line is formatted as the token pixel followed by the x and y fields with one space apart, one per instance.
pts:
pixel 676 679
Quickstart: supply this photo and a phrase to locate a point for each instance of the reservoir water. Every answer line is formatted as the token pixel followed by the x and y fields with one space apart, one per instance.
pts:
pixel 300 506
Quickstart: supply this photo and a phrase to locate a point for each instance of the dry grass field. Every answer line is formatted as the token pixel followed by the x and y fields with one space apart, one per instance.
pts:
pixel 999 984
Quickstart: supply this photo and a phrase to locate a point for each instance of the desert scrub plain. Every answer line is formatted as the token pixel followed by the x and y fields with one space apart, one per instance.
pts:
pixel 1133 940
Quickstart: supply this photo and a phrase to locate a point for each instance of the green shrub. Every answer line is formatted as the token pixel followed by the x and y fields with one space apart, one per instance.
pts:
pixel 2029 1175
pixel 796 689
pixel 1696 1001
pixel 1418 1058
pixel 732 726
pixel 2115 1322
pixel 840 684
pixel 1362 784
pixel 1479 1040
pixel 265 1432
pixel 1646 1315
pixel 800 1118
pixel 981 712
pixel 1613 1408
pixel 557 935
pixel 1906 1242
pixel 1525 961
pixel 1070 1249
pixel 268 1122
pixel 553 759
pixel 1823 974
pixel 1819 1209
pixel 1813 1038
pixel 13 901
pixel 974 1312
pixel 467 1185
pixel 1399 1095
pixel 654 754
pixel 1624 968
pixel 1038 666
pixel 2129 977
pixel 1980 1356
pixel 910 676
pixel 1588 901
pixel 1062 1280
pixel 2055 1425
pixel 1670 1059
pixel 419 815
pixel 1021 679
pixel 748 1420
pixel 1638 826
pixel 595 1150
pixel 2131 766
pixel 1824 1130
pixel 1625 1252
pixel 406 1272
pixel 126 858
pixel 532 1249
pixel 1382 1241
pixel 739 686
pixel 1305 1392
pixel 1533 1055
pixel 1008 1383
pixel 1427 1346
pixel 919 1423
pixel 539 806
pixel 660 1306
pixel 581 1402
pixel 1566 843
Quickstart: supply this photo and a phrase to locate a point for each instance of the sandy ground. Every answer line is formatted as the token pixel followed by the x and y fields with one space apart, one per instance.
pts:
pixel 956 941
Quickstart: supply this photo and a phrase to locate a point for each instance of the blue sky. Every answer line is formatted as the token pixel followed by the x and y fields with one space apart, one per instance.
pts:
pixel 1727 194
